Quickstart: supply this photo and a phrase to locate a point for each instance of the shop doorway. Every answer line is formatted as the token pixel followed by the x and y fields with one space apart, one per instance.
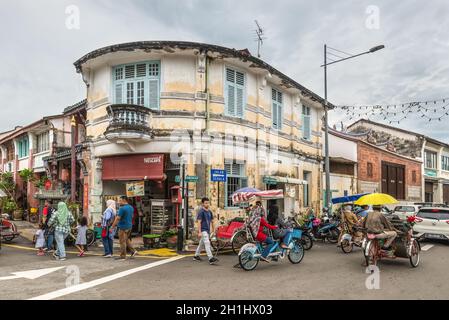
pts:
pixel 428 192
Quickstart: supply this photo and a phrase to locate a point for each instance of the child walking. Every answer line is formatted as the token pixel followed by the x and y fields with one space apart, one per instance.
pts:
pixel 40 240
pixel 81 241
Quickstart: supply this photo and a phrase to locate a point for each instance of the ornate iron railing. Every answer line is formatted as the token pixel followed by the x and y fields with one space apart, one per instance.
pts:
pixel 125 117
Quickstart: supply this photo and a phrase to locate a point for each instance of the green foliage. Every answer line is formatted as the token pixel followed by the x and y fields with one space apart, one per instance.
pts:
pixel 40 183
pixel 9 205
pixel 27 175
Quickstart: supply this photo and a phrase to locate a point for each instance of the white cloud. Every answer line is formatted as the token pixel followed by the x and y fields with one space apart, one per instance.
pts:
pixel 38 51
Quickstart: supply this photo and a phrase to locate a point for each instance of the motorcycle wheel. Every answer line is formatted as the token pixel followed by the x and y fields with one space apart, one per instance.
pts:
pixel 346 246
pixel 306 241
pixel 90 237
pixel 296 254
pixel 239 240
pixel 333 236
pixel 34 218
pixel 247 261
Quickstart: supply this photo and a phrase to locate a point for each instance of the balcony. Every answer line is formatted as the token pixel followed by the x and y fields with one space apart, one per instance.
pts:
pixel 129 123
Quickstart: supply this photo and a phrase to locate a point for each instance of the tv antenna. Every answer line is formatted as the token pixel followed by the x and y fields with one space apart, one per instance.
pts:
pixel 260 37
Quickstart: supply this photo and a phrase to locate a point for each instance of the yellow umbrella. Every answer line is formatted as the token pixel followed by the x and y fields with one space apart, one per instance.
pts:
pixel 376 199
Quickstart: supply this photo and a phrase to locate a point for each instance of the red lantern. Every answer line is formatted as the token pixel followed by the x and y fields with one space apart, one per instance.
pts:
pixel 47 185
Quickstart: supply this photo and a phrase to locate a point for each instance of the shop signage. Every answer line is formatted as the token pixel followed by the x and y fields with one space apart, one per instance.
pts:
pixel 269 180
pixel 135 189
pixel 177 179
pixel 192 179
pixel 86 198
pixel 430 173
pixel 218 175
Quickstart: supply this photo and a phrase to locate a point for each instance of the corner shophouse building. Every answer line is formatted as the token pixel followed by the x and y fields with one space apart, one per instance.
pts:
pixel 220 108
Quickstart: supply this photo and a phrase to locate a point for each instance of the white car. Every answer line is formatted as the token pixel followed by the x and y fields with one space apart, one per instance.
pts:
pixel 405 211
pixel 432 223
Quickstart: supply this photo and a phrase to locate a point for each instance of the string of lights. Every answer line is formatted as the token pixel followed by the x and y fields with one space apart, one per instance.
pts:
pixel 430 110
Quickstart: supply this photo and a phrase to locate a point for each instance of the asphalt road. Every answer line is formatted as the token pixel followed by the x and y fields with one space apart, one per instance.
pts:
pixel 325 273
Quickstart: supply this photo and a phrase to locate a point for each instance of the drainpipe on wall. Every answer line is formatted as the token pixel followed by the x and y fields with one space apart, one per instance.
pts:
pixel 206 91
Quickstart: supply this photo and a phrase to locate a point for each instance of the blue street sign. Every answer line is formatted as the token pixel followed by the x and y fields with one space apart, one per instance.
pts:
pixel 217 175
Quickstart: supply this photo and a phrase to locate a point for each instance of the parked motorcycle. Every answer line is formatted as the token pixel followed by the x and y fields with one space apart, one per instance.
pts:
pixel 322 229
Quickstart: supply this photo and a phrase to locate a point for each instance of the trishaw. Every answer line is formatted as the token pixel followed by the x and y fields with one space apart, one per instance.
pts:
pixel 8 230
pixel 237 233
pixel 250 253
pixel 404 246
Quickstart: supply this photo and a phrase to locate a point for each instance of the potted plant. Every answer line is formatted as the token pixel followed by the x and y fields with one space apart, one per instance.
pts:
pixel 171 238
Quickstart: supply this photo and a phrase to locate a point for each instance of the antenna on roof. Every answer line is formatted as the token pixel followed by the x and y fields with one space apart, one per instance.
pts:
pixel 260 37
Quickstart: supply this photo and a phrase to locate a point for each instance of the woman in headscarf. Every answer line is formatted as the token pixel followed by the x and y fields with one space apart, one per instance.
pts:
pixel 107 219
pixel 62 220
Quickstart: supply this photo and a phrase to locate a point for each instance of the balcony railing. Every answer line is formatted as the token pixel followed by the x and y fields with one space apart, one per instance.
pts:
pixel 128 119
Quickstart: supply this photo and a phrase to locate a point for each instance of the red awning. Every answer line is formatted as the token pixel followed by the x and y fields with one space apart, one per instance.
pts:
pixel 134 167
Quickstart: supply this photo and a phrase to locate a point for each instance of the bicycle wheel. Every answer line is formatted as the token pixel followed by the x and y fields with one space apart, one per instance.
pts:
pixel 346 246
pixel 296 254
pixel 414 256
pixel 247 261
pixel 239 239
pixel 371 253
pixel 90 237
pixel 306 241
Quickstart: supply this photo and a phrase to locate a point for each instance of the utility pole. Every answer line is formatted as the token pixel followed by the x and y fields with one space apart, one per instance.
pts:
pixel 327 199
pixel 73 160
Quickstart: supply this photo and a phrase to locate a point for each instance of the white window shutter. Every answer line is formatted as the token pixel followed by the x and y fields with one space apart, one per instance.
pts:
pixel 279 116
pixel 275 115
pixel 231 100
pixel 306 126
pixel 118 93
pixel 154 93
pixel 239 104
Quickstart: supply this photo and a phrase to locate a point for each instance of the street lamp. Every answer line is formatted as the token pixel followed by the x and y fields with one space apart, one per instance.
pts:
pixel 326 124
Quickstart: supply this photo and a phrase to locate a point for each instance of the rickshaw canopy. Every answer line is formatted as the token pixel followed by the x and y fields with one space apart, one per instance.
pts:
pixel 245 196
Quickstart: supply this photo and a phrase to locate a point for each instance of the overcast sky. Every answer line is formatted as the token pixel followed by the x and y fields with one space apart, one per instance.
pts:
pixel 37 76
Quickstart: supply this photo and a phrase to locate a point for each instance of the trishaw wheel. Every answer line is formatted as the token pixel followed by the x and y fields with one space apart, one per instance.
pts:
pixel 414 256
pixel 371 253
pixel 297 253
pixel 247 261
pixel 239 239
pixel 346 246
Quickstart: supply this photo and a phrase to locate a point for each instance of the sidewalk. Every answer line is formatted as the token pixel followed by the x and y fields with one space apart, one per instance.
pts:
pixel 28 229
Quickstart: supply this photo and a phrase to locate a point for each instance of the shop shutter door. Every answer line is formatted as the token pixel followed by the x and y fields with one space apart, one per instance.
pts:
pixel 446 193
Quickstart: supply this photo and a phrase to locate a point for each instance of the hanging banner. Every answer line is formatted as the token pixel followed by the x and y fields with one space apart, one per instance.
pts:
pixel 135 189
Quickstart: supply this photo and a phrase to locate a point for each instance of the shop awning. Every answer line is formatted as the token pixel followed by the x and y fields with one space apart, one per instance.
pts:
pixel 134 167
pixel 276 180
pixel 345 199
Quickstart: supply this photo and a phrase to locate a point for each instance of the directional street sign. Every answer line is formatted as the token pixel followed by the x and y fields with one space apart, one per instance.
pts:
pixel 217 175
pixel 192 179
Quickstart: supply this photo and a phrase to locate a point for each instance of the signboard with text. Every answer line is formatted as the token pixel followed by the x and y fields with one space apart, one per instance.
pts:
pixel 218 175
pixel 135 189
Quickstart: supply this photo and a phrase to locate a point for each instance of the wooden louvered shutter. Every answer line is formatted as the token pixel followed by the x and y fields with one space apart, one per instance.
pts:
pixel 240 85
pixel 119 93
pixel 306 126
pixel 239 102
pixel 154 93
